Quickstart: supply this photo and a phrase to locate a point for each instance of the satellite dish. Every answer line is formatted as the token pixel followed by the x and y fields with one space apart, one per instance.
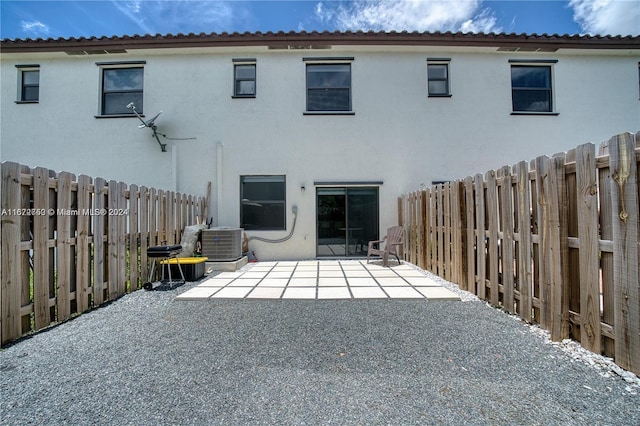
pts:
pixel 151 124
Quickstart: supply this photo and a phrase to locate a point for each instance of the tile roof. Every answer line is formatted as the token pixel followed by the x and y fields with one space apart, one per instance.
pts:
pixel 303 39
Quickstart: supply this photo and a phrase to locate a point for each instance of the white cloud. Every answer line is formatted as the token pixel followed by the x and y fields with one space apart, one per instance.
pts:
pixel 607 17
pixel 180 16
pixel 35 28
pixel 409 15
pixel 133 11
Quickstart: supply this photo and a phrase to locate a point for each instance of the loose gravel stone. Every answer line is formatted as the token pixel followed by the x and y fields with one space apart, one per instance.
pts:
pixel 147 359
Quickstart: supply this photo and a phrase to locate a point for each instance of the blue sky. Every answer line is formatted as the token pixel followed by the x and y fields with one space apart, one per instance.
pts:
pixel 33 19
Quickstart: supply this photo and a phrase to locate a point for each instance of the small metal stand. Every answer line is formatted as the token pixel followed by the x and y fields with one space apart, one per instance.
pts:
pixel 162 253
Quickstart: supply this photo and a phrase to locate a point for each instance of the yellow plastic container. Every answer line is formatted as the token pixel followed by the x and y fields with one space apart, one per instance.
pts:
pixel 192 267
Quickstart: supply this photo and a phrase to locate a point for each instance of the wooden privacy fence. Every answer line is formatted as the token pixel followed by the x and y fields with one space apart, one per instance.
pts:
pixel 72 244
pixel 555 241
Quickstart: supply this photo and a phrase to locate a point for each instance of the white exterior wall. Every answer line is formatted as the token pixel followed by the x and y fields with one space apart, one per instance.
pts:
pixel 398 135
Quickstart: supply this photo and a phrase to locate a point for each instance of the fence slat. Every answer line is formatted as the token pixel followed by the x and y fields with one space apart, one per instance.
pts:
pixel 588 235
pixel 83 254
pixel 456 237
pixel 144 232
pixel 162 217
pixel 624 200
pixel 178 218
pixel 573 262
pixel 470 248
pixel 558 309
pixel 121 230
pixel 133 238
pixel 446 201
pixel 98 241
pixel 524 241
pixel 492 254
pixel 506 225
pixel 26 234
pixel 411 236
pixel 481 264
pixel 424 252
pixel 606 258
pixel 112 241
pixel 42 316
pixel 63 247
pixel 544 254
pixel 10 292
pixel 171 224
pixel 434 229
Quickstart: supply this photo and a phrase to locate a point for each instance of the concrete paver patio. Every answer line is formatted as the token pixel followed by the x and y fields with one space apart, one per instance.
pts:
pixel 320 279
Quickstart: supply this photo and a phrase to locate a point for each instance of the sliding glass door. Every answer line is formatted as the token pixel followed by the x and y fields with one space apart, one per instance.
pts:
pixel 347 220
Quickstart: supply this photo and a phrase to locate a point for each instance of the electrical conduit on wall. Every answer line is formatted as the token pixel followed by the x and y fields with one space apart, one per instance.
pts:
pixel 294 210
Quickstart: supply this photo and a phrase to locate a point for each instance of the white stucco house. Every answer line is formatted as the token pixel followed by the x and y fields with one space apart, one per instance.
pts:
pixel 326 129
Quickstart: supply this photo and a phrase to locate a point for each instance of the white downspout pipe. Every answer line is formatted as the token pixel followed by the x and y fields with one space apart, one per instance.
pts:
pixel 174 167
pixel 219 183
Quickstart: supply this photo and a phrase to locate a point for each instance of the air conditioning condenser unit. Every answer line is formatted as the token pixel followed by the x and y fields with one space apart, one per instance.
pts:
pixel 222 244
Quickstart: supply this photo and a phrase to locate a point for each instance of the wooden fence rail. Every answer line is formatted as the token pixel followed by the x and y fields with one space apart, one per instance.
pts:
pixel 72 244
pixel 554 241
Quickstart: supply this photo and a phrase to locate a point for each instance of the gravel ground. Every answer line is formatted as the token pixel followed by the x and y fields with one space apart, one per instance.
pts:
pixel 146 359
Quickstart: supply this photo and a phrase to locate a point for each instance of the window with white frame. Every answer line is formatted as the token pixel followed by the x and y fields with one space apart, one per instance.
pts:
pixel 329 85
pixel 122 84
pixel 262 205
pixel 438 78
pixel 244 78
pixel 28 83
pixel 531 87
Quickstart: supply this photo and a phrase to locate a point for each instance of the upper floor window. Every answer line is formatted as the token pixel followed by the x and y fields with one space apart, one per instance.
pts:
pixel 262 202
pixel 531 88
pixel 438 77
pixel 244 73
pixel 121 85
pixel 328 87
pixel 28 83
